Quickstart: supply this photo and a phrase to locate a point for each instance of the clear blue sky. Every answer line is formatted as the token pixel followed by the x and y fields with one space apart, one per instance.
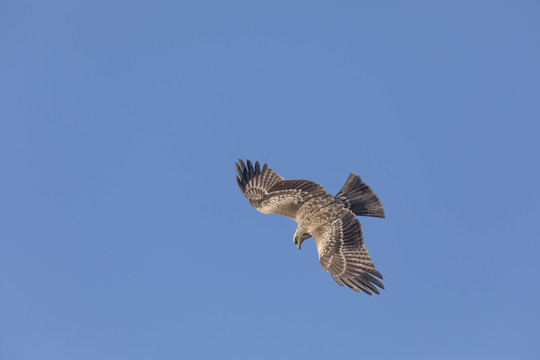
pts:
pixel 124 236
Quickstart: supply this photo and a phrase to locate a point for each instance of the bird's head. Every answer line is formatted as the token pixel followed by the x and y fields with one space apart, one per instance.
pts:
pixel 299 237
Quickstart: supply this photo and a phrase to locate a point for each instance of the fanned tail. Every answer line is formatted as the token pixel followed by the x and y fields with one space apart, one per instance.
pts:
pixel 359 198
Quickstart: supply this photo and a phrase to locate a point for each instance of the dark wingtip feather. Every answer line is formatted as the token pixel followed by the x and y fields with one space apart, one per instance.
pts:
pixel 242 165
pixel 367 284
pixel 246 171
pixel 372 279
pixel 240 185
pixel 358 287
pixel 250 168
pixel 376 273
pixel 238 170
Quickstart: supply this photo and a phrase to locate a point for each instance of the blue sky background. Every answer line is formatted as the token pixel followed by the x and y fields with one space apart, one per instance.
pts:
pixel 124 236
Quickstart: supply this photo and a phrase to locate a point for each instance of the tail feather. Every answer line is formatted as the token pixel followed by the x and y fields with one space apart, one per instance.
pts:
pixel 359 198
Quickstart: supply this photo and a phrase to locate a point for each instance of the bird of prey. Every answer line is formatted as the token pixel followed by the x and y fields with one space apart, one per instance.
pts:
pixel 330 220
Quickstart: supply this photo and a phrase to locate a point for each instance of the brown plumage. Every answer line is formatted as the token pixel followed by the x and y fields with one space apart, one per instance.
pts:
pixel 330 220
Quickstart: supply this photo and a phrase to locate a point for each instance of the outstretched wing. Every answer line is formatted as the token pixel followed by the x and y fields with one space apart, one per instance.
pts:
pixel 270 193
pixel 341 250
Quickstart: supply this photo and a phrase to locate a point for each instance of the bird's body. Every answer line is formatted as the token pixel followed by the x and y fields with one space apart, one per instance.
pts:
pixel 330 220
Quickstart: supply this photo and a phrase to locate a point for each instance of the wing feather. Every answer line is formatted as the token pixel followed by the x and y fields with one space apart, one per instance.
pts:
pixel 270 193
pixel 342 252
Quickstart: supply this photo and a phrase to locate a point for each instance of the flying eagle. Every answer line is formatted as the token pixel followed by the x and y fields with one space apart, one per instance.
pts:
pixel 330 220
